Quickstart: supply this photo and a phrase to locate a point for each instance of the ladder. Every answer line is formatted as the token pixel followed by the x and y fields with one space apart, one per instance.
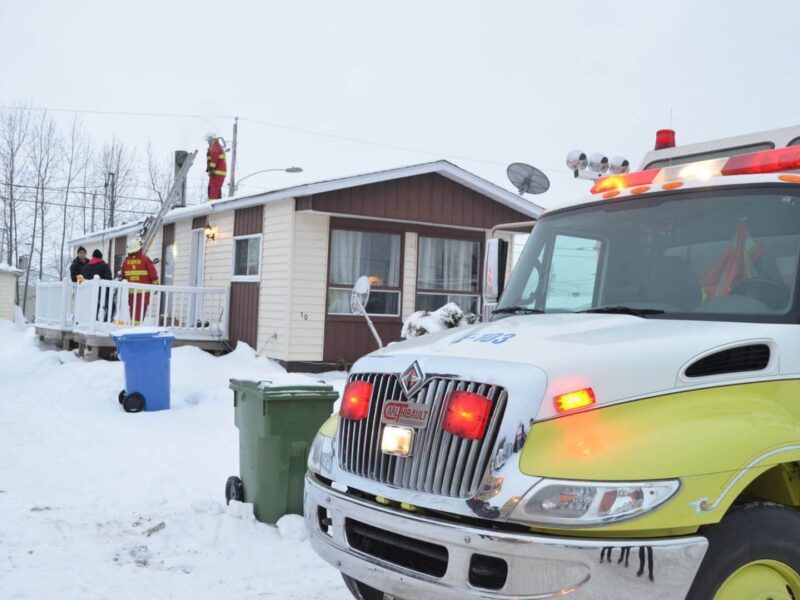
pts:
pixel 151 224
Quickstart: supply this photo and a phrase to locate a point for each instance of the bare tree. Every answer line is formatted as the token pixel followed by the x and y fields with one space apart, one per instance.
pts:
pixel 14 133
pixel 44 147
pixel 159 175
pixel 73 166
pixel 117 159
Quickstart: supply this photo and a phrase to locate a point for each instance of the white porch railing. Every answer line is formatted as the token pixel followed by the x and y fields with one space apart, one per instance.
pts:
pixel 55 304
pixel 98 307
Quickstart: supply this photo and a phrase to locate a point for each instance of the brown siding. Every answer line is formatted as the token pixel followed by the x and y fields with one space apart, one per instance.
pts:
pixel 349 338
pixel 247 221
pixel 199 222
pixel 243 313
pixel 428 198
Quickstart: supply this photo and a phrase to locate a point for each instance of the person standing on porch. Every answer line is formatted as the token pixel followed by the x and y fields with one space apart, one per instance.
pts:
pixel 77 265
pixel 216 167
pixel 138 268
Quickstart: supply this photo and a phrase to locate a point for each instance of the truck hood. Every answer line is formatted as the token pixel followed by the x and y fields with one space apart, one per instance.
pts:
pixel 620 357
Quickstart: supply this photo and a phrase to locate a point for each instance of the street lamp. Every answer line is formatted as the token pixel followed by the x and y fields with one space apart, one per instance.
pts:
pixel 287 170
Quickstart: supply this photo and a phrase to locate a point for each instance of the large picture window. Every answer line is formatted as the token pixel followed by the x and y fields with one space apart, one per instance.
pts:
pixel 357 253
pixel 246 258
pixel 447 271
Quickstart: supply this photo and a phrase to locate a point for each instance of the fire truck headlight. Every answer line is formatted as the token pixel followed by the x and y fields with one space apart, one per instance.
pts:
pixel 582 503
pixel 320 455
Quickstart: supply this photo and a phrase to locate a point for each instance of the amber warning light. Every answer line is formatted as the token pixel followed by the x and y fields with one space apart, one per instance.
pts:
pixel 355 400
pixel 574 400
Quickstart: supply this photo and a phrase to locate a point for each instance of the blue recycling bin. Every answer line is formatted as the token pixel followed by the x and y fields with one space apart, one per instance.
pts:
pixel 146 355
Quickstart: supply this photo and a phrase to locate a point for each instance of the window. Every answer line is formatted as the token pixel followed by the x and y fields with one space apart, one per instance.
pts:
pixel 447 271
pixel 720 254
pixel 246 258
pixel 573 273
pixel 168 268
pixel 357 253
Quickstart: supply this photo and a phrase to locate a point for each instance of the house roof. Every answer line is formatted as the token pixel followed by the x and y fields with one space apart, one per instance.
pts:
pixel 442 167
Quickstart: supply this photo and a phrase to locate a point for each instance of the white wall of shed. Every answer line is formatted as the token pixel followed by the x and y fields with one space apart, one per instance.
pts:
pixel 274 304
pixel 309 286
pixel 8 290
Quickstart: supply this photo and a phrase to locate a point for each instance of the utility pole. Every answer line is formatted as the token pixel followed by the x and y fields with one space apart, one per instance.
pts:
pixel 94 200
pixel 232 180
pixel 113 204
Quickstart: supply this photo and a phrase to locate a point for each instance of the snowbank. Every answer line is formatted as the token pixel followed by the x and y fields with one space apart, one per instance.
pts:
pixel 97 503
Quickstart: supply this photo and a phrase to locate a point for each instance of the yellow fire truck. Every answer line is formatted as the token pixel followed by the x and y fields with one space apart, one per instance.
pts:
pixel 626 426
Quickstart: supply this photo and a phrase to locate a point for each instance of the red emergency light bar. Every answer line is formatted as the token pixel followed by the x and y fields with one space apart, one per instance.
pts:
pixel 766 161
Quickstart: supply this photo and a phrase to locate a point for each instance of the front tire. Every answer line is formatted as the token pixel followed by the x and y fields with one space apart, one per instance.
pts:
pixel 752 553
pixel 361 591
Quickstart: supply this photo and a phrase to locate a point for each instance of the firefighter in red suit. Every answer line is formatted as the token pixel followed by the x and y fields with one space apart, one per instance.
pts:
pixel 216 167
pixel 138 268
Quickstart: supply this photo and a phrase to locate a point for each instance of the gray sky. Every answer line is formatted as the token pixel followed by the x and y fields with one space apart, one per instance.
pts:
pixel 498 81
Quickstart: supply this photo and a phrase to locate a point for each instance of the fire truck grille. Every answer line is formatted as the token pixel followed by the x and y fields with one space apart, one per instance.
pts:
pixel 440 463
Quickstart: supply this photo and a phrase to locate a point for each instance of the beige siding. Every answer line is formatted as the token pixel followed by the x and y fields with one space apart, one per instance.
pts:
pixel 182 251
pixel 274 325
pixel 8 286
pixel 410 274
pixel 219 253
pixel 310 274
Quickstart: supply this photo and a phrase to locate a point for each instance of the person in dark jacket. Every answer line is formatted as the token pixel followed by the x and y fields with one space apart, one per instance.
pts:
pixel 78 264
pixel 97 266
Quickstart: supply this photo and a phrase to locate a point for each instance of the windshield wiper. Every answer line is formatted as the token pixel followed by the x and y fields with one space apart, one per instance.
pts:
pixel 624 310
pixel 517 310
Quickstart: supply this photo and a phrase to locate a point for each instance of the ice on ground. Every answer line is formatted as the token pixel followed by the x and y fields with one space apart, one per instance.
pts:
pixel 448 316
pixel 292 527
pixel 96 503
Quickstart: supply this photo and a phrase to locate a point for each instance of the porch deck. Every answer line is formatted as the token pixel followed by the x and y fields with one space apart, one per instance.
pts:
pixel 88 313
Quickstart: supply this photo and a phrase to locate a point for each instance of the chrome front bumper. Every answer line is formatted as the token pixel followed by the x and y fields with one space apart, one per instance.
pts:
pixel 538 566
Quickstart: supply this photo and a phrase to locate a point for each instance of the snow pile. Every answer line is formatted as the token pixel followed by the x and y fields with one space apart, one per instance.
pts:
pixel 96 503
pixel 6 268
pixel 448 316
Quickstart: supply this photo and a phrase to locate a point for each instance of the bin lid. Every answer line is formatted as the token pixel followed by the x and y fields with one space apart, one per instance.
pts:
pixel 268 388
pixel 141 333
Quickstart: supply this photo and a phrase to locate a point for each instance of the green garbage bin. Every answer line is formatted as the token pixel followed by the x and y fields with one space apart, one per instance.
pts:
pixel 276 427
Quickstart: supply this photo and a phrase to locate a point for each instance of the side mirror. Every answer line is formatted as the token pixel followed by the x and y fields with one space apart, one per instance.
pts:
pixel 360 296
pixel 494 270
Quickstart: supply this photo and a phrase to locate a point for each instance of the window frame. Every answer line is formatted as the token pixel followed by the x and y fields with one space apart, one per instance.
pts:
pixel 246 278
pixel 377 317
pixel 460 236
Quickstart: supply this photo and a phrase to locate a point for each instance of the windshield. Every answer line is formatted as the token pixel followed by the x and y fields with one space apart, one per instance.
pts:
pixel 719 255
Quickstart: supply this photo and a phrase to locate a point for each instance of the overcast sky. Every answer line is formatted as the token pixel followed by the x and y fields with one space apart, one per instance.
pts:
pixel 481 83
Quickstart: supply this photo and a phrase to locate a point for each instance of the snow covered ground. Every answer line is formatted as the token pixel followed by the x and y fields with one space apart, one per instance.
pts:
pixel 96 503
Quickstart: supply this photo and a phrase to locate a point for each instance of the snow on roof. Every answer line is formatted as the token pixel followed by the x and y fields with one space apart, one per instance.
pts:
pixel 6 268
pixel 442 167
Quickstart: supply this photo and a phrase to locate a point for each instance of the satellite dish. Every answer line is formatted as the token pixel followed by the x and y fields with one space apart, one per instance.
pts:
pixel 527 179
pixel 359 296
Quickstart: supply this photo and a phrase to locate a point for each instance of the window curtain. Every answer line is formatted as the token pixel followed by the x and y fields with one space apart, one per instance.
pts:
pixel 447 265
pixel 356 253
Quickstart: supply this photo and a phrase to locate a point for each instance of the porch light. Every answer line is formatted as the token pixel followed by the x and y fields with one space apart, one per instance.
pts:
pixel 211 233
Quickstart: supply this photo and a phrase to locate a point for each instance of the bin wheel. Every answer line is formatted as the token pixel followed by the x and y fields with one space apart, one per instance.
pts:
pixel 361 591
pixel 234 489
pixel 122 396
pixel 133 403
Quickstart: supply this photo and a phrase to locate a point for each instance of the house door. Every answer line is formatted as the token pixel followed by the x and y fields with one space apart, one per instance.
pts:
pixel 196 270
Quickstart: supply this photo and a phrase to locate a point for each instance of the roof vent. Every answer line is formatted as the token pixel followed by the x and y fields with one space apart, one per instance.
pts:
pixel 754 357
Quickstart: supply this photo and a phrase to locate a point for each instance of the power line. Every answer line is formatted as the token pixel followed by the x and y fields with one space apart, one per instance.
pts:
pixel 325 134
pixel 61 205
pixel 76 189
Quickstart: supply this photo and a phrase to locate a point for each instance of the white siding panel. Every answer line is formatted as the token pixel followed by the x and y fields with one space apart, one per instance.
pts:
pixel 310 268
pixel 182 251
pixel 219 253
pixel 8 287
pixel 410 274
pixel 274 326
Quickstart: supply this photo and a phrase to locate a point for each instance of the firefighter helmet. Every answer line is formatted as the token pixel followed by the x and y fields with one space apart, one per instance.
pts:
pixel 134 245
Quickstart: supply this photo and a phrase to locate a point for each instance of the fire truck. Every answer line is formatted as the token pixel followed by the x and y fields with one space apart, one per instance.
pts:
pixel 627 425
